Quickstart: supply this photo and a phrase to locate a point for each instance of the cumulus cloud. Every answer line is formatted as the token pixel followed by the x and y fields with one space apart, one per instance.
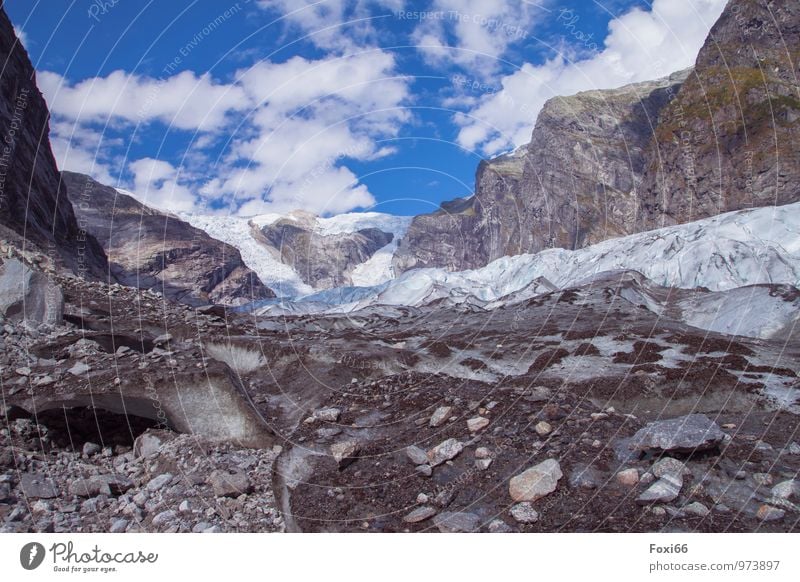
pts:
pixel 316 115
pixel 474 34
pixel 184 101
pixel 155 183
pixel 289 129
pixel 641 45
pixel 342 26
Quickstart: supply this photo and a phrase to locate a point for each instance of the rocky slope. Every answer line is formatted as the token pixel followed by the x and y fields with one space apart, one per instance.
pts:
pixel 149 249
pixel 607 163
pixel 731 137
pixel 34 209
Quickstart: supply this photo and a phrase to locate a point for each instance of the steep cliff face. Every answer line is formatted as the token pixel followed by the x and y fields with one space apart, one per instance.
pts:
pixel 575 183
pixel 321 260
pixel 731 137
pixel 149 249
pixel 33 206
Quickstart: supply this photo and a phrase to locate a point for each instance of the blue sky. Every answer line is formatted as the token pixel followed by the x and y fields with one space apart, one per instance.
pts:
pixel 330 106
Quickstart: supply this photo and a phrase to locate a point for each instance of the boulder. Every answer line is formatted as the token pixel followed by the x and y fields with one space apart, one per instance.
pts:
pixel 664 490
pixel 26 294
pixel 524 513
pixel 420 514
pixel 440 415
pixel 536 482
pixel 444 451
pixel 685 434
pixel 37 486
pixel 227 484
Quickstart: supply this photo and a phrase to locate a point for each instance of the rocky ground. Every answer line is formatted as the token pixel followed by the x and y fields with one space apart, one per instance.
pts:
pixel 556 414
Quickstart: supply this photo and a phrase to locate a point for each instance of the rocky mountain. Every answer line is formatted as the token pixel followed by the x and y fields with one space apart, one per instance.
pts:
pixel 731 137
pixel 300 253
pixel 574 184
pixel 34 209
pixel 602 164
pixel 152 250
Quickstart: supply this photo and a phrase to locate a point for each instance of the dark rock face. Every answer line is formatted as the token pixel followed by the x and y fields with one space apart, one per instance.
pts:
pixel 322 261
pixel 575 184
pixel 149 249
pixel 34 209
pixel 731 137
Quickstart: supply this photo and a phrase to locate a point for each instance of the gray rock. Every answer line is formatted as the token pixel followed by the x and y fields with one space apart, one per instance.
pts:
pixel 159 482
pixel 477 423
pixel 37 486
pixel 327 414
pixel 424 470
pixel 586 477
pixel 164 518
pixel 90 449
pixel 5 492
pixel 119 526
pixel 444 451
pixel 91 487
pixel 420 514
pixel 499 526
pixel 536 482
pixel 440 416
pixel 345 452
pixel 666 489
pixel 769 513
pixel 524 513
pixel 482 464
pixel 669 466
pixel 227 484
pixel 786 489
pixel 79 369
pixel 416 455
pixel 26 294
pixel 685 434
pixel 697 509
pixel 457 522
pixel 148 443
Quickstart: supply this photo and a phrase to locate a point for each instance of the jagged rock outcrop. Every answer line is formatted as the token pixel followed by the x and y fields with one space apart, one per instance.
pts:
pixel 323 261
pixel 602 164
pixel 731 137
pixel 149 249
pixel 575 183
pixel 34 210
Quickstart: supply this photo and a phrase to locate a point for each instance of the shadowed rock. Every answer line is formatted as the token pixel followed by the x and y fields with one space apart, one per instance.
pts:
pixel 685 434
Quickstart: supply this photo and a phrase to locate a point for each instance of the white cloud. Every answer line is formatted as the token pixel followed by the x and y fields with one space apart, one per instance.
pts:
pixel 184 101
pixel 290 127
pixel 155 183
pixel 342 26
pixel 315 115
pixel 641 45
pixel 81 149
pixel 481 32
